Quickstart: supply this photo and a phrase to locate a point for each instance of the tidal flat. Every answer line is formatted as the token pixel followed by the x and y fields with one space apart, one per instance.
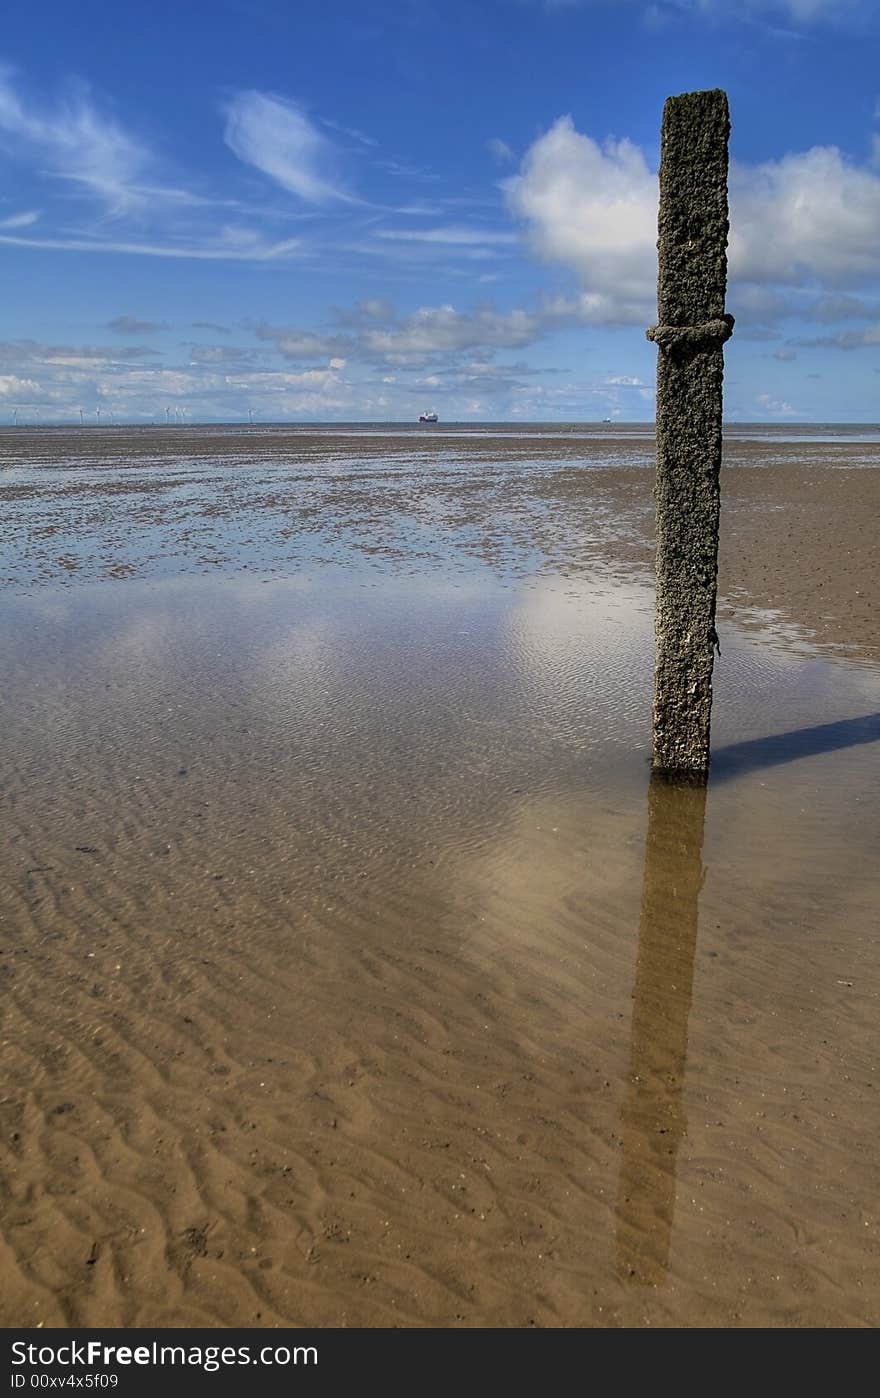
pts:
pixel 354 972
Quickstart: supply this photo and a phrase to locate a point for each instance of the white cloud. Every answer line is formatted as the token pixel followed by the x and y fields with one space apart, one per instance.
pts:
pixel 23 220
pixel 798 11
pixel 442 329
pixel 305 344
pixel 500 150
pixel 806 221
pixel 803 11
pixel 776 407
pixel 811 215
pixel 277 138
pixel 222 249
pixel 453 236
pixel 74 142
pixel 430 331
pixel 11 386
pixel 595 208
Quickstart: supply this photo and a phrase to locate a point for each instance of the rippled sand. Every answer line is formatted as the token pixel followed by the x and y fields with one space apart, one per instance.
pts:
pixel 354 972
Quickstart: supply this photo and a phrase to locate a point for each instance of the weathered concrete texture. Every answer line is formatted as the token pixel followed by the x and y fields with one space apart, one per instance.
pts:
pixel 692 247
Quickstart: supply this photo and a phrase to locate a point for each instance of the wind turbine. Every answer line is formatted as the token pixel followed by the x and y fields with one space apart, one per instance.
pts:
pixel 98 417
pixel 15 417
pixel 251 416
pixel 81 421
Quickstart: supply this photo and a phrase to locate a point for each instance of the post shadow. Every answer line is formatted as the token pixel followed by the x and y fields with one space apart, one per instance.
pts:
pixel 758 753
pixel 653 1122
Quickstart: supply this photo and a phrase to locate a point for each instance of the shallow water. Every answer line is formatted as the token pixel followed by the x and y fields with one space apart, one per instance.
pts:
pixel 356 974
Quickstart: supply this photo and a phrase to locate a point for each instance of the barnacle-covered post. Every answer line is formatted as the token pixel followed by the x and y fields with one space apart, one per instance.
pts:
pixel 692 248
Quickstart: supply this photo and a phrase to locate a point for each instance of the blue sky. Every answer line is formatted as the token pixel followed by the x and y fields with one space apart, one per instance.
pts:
pixel 308 211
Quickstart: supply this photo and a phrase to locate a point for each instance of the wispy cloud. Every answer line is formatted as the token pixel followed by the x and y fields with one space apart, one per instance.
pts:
pixel 803 12
pixel 23 220
pixel 450 237
pixel 33 352
pixel 800 11
pixel 500 150
pixel 250 249
pixel 220 354
pixel 130 325
pixel 71 140
pixel 866 338
pixel 275 136
pixel 351 132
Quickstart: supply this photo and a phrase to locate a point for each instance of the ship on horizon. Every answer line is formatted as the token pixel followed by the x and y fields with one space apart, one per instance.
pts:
pixel 428 417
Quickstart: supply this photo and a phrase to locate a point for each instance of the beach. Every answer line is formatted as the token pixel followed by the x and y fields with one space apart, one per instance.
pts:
pixel 797 535
pixel 354 972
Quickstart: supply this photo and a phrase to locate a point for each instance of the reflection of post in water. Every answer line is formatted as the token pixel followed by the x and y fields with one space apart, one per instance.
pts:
pixel 652 1118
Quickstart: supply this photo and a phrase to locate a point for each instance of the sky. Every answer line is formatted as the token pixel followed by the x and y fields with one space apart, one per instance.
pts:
pixel 287 210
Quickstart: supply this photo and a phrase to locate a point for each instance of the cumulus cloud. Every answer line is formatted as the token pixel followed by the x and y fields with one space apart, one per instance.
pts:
pixel 295 343
pixel 275 136
pixel 811 215
pixel 776 407
pixel 374 308
pixel 593 207
pixel 430 333
pixel 12 387
pixel 442 329
pixel 806 221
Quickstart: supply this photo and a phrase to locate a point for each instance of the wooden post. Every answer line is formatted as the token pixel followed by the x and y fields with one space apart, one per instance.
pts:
pixel 692 248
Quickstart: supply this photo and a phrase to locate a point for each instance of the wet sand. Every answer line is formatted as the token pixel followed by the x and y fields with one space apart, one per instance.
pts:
pixel 353 971
pixel 798 536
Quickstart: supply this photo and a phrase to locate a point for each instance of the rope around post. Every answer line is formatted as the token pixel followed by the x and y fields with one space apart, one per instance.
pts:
pixel 706 336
